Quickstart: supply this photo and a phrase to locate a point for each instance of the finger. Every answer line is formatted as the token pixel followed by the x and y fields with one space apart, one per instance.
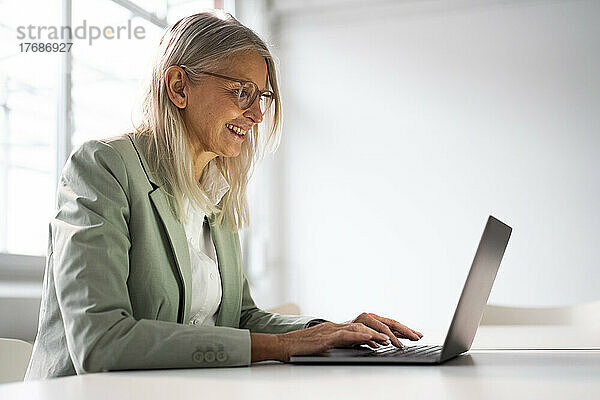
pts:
pixel 409 333
pixel 373 344
pixel 399 334
pixel 377 336
pixel 380 326
pixel 372 321
pixel 403 336
pixel 419 334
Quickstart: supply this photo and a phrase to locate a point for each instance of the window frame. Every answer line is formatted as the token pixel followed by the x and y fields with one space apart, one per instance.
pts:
pixel 24 267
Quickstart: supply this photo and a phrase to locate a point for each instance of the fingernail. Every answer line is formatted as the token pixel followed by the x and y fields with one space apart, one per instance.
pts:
pixel 366 336
pixel 386 337
pixel 416 336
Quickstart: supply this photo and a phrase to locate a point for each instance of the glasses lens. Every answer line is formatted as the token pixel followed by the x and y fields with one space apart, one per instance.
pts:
pixel 246 95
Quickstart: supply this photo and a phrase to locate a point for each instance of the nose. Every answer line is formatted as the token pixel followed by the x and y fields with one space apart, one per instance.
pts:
pixel 254 112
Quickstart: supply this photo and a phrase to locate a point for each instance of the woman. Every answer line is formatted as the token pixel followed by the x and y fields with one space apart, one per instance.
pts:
pixel 144 265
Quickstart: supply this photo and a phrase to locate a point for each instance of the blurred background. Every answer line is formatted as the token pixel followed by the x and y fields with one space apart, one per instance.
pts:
pixel 405 124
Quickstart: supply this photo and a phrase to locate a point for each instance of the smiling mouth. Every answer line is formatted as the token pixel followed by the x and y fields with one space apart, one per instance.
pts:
pixel 238 131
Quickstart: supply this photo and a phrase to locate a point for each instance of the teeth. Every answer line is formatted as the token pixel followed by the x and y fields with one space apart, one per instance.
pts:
pixel 237 130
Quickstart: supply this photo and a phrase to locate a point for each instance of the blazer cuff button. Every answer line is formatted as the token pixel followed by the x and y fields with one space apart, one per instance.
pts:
pixel 209 356
pixel 198 357
pixel 221 356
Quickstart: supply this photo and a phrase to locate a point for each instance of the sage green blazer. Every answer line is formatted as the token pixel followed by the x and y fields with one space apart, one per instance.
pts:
pixel 117 285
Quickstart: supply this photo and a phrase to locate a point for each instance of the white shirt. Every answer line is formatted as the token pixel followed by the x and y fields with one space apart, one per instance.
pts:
pixel 206 279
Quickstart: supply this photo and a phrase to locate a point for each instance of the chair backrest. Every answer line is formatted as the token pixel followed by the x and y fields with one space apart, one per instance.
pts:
pixel 14 358
pixel 578 314
pixel 23 313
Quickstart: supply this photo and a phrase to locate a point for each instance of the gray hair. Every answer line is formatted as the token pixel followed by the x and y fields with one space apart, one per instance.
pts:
pixel 201 42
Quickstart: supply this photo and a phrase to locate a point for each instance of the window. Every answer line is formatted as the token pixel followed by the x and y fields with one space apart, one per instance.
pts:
pixel 45 112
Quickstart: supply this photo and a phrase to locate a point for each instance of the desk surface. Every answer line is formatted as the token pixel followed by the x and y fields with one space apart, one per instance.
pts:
pixel 480 374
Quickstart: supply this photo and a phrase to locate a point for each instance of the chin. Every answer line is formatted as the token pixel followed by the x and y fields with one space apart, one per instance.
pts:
pixel 232 153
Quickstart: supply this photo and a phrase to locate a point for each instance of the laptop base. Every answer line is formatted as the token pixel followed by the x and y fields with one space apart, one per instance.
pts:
pixel 365 355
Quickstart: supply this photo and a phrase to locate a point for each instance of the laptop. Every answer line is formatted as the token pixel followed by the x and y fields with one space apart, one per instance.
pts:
pixel 464 324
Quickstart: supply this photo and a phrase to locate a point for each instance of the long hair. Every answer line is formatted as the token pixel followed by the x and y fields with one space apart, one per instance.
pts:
pixel 201 42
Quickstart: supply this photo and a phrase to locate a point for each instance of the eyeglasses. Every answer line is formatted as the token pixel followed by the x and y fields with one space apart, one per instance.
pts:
pixel 247 93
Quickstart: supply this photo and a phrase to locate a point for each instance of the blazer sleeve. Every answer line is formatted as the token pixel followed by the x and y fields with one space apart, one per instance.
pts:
pixel 260 321
pixel 91 241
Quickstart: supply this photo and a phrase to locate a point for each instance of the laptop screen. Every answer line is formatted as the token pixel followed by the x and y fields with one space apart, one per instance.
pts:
pixel 477 288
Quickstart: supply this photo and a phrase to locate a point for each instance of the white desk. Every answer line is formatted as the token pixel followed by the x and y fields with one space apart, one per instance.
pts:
pixel 481 374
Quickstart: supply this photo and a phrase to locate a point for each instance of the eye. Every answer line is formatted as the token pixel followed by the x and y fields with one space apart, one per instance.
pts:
pixel 245 93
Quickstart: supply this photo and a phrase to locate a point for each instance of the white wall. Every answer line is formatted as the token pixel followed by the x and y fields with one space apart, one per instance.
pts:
pixel 407 123
pixel 261 244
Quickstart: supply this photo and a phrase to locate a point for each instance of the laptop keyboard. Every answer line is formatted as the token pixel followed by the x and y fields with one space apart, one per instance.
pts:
pixel 406 351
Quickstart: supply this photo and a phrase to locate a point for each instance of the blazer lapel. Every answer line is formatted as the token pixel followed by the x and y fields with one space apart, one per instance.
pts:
pixel 174 229
pixel 230 268
pixel 179 246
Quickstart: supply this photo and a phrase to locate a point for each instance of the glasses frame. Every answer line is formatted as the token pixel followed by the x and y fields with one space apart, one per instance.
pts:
pixel 257 91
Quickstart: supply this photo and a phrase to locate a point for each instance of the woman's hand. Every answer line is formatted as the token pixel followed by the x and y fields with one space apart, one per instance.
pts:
pixel 391 328
pixel 367 328
pixel 325 336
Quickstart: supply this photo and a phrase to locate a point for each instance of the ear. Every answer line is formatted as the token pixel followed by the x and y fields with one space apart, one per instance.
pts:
pixel 176 81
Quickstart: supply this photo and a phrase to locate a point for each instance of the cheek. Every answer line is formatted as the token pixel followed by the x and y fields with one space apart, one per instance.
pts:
pixel 208 116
